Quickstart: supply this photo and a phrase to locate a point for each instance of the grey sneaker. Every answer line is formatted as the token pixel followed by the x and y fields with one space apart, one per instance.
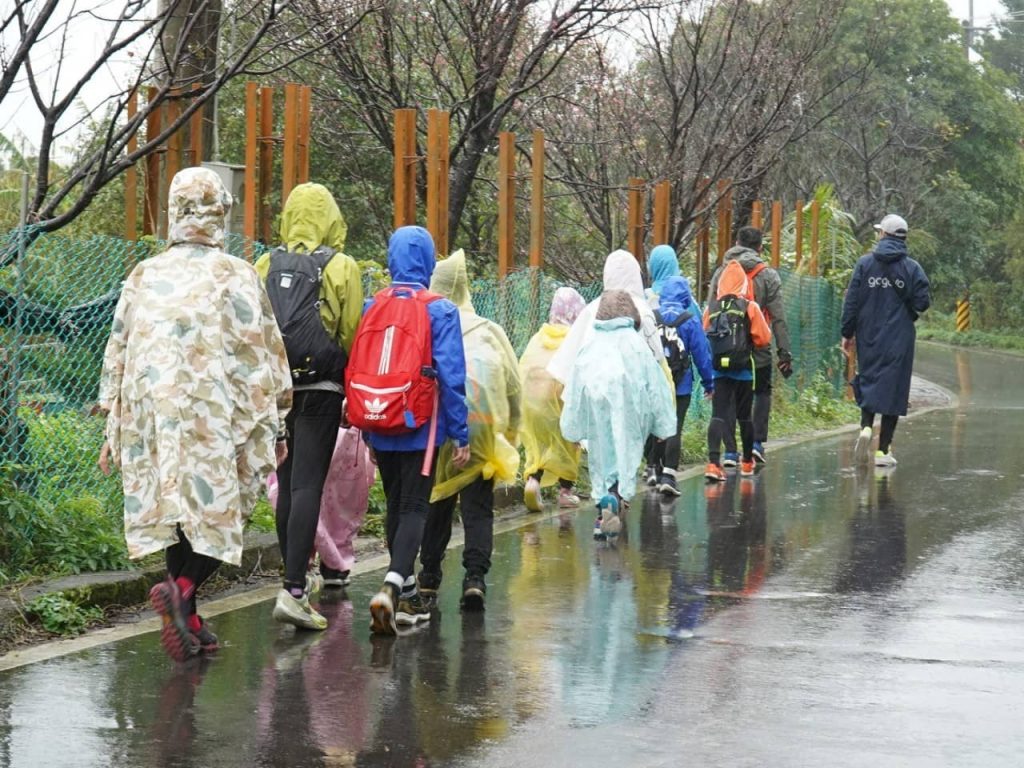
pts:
pixel 884 459
pixel 862 448
pixel 667 484
pixel 652 476
pixel 411 610
pixel 297 612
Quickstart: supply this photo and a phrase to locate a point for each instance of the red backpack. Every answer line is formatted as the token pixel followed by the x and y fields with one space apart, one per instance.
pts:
pixel 390 384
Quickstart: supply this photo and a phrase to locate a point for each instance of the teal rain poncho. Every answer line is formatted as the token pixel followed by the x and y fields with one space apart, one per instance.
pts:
pixel 615 397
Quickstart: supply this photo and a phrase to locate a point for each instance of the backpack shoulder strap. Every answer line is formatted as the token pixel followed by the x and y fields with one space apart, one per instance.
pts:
pixel 757 270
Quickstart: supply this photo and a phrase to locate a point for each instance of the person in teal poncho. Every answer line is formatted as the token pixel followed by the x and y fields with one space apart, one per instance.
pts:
pixel 661 265
pixel 615 397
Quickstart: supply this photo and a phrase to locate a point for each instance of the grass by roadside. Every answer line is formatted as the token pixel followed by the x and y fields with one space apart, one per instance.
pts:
pixel 942 328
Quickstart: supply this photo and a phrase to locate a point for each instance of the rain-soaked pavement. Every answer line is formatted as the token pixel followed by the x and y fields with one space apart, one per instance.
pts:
pixel 813 616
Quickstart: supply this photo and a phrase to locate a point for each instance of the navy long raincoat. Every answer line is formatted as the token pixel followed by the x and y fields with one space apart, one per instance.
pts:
pixel 887 292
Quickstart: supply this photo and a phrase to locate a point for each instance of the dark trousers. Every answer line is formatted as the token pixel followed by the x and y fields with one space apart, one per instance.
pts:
pixel 562 482
pixel 731 403
pixel 888 430
pixel 665 453
pixel 408 497
pixel 762 409
pixel 476 501
pixel 312 433
pixel 182 562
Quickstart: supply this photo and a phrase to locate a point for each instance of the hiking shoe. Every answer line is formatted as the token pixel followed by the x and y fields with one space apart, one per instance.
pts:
pixel 333 578
pixel 730 459
pixel 382 611
pixel 297 611
pixel 884 459
pixel 667 483
pixel 178 642
pixel 412 609
pixel 474 591
pixel 652 476
pixel 314 583
pixel 567 499
pixel 609 521
pixel 531 495
pixel 206 640
pixel 747 468
pixel 862 448
pixel 598 532
pixel 759 453
pixel 714 473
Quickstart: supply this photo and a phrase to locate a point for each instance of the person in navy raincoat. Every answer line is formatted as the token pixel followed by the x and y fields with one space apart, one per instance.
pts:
pixel 886 294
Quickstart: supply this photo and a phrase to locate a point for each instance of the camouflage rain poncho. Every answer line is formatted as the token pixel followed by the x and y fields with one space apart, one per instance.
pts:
pixel 196 383
pixel 492 391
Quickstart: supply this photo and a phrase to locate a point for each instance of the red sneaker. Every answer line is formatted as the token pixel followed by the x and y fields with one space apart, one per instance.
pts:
pixel 714 473
pixel 180 644
pixel 746 468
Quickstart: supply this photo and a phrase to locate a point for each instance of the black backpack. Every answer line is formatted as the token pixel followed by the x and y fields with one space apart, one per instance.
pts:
pixel 676 354
pixel 729 334
pixel 293 285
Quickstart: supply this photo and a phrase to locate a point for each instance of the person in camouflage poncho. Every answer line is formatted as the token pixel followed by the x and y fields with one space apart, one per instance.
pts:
pixel 197 387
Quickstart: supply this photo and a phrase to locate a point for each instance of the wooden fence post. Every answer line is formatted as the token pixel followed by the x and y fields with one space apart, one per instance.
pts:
pixel 266 163
pixel 405 167
pixel 703 239
pixel 131 177
pixel 662 207
pixel 251 141
pixel 154 125
pixel 303 138
pixel 291 140
pixel 438 122
pixel 815 220
pixel 776 233
pixel 195 127
pixel 723 221
pixel 799 233
pixel 636 218
pixel 755 214
pixel 506 202
pixel 537 201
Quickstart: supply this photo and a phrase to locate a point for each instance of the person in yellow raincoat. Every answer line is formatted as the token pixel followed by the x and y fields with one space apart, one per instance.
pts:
pixel 196 388
pixel 305 277
pixel 492 397
pixel 549 456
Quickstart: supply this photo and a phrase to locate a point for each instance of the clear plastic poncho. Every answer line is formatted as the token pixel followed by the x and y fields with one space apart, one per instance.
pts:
pixel 492 391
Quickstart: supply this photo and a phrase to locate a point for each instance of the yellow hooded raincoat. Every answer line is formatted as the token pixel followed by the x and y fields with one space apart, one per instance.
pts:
pixel 492 390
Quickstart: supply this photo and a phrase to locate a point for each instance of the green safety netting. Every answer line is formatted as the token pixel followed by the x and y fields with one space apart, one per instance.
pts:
pixel 55 315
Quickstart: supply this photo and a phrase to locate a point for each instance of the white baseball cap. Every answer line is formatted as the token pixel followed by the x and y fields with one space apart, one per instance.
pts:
pixel 892 225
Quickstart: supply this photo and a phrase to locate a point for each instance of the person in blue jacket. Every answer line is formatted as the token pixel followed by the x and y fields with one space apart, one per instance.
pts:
pixel 686 345
pixel 400 458
pixel 662 265
pixel 886 294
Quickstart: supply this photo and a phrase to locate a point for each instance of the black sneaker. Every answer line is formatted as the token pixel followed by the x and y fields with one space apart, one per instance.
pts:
pixel 667 484
pixel 333 578
pixel 206 640
pixel 474 590
pixel 428 585
pixel 411 610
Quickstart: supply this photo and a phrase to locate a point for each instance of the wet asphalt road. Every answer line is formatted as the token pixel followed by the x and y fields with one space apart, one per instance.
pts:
pixel 814 616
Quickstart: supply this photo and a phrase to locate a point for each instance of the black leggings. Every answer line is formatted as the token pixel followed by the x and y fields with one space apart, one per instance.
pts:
pixel 312 433
pixel 562 482
pixel 664 454
pixel 408 498
pixel 885 435
pixel 183 562
pixel 476 502
pixel 731 403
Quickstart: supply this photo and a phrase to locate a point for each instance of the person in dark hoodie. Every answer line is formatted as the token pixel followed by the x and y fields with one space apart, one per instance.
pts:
pixel 400 458
pixel 686 346
pixel 767 292
pixel 887 292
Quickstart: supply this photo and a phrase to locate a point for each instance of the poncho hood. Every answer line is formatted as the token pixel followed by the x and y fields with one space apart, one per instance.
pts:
pixel 451 280
pixel 747 257
pixel 675 298
pixel 566 306
pixel 890 249
pixel 411 256
pixel 198 205
pixel 615 324
pixel 663 265
pixel 622 273
pixel 311 218
pixel 733 280
pixel 552 335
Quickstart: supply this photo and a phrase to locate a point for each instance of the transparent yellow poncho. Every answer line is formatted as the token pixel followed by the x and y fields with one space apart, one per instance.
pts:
pixel 541 434
pixel 492 391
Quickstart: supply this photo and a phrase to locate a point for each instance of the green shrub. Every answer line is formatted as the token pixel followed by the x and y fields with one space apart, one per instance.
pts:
pixel 62 616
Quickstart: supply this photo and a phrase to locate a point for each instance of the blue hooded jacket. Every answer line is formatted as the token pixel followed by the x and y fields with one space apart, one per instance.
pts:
pixel 675 300
pixel 662 265
pixel 411 261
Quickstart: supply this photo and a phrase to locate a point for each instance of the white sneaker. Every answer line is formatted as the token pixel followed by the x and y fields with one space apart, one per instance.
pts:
pixel 531 495
pixel 884 459
pixel 862 448
pixel 297 612
pixel 652 476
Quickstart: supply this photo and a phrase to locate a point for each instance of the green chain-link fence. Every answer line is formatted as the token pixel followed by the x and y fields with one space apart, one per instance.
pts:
pixel 55 315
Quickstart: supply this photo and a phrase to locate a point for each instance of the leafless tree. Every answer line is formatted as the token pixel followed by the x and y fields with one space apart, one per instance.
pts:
pixel 170 51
